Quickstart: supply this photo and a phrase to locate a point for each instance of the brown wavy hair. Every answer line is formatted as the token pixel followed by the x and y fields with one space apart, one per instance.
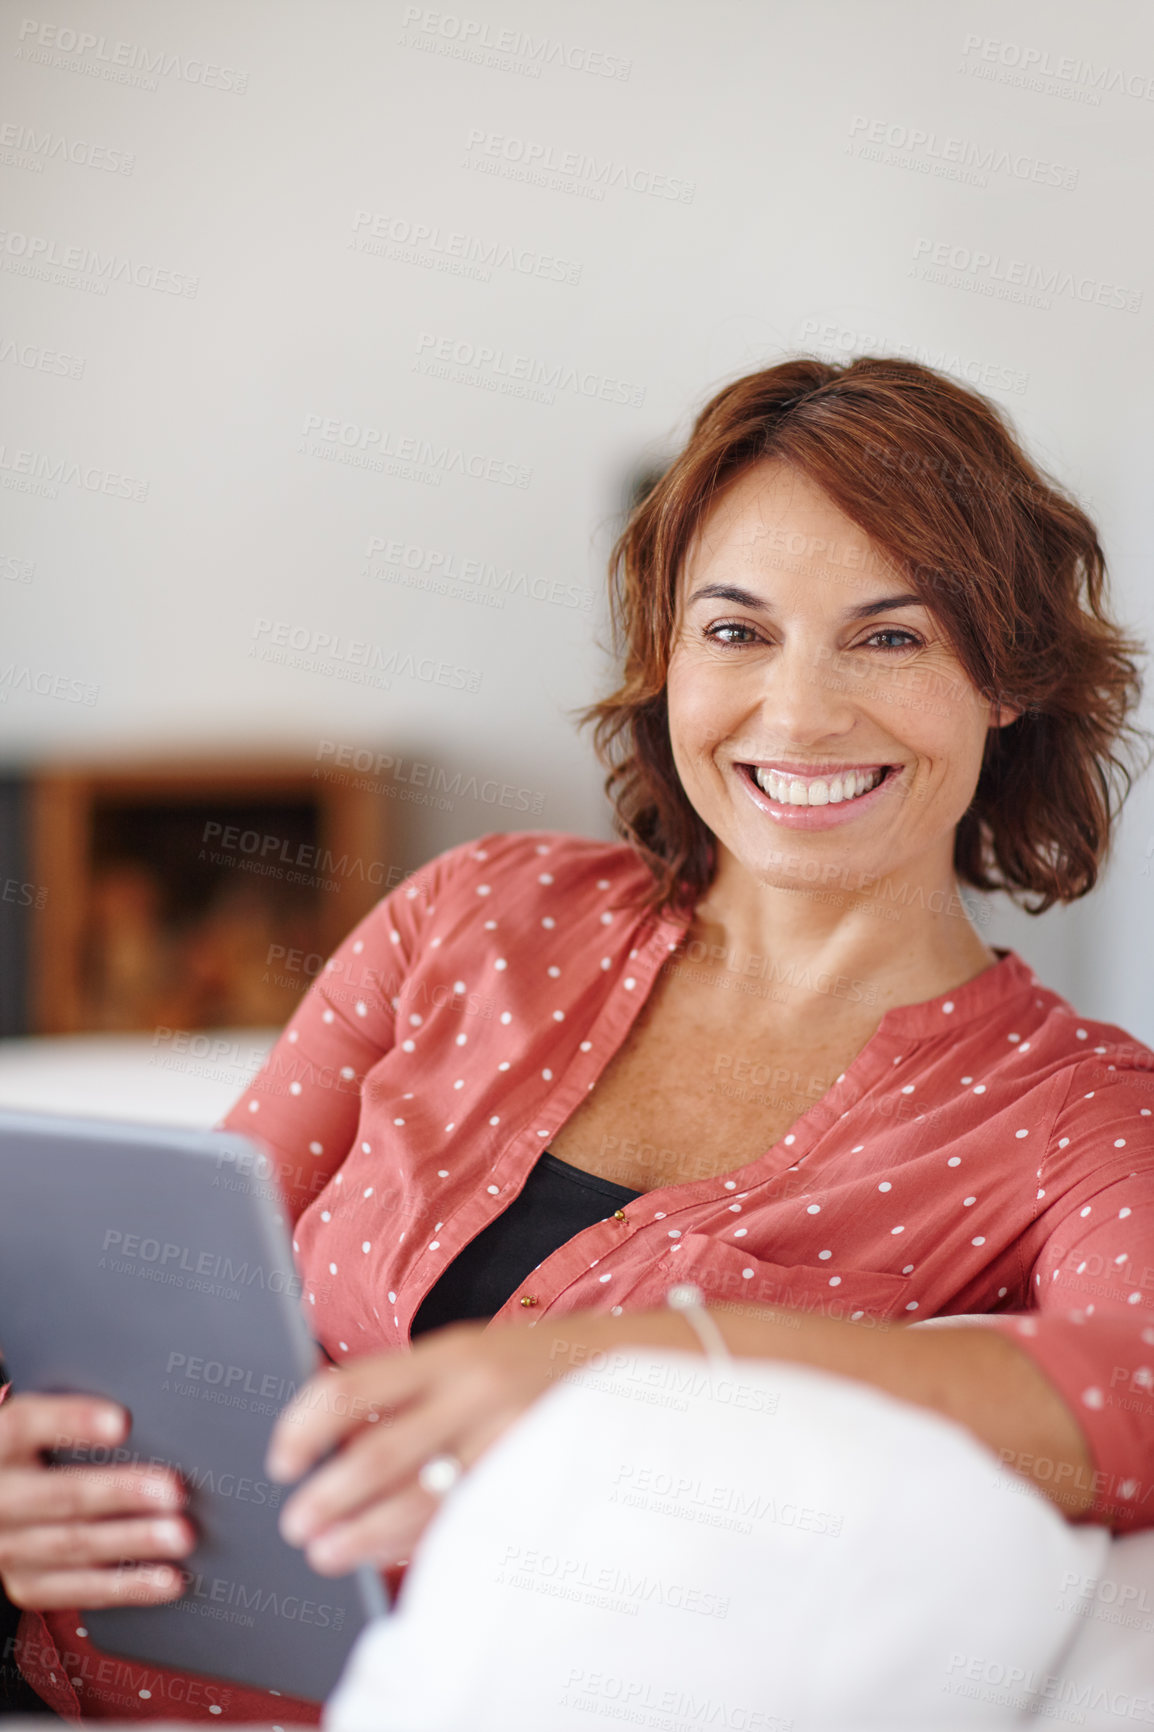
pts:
pixel 1012 567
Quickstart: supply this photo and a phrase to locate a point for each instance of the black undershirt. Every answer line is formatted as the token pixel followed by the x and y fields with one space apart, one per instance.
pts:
pixel 558 1201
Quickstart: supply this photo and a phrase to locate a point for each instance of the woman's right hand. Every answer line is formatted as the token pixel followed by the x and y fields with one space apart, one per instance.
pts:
pixel 72 1535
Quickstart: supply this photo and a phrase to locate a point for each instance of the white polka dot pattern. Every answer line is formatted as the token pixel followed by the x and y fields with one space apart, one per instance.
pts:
pixel 999 1146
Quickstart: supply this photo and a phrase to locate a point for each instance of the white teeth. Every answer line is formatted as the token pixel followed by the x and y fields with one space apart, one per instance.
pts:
pixel 794 791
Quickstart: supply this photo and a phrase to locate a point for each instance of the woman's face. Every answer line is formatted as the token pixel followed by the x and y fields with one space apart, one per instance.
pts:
pixel 821 723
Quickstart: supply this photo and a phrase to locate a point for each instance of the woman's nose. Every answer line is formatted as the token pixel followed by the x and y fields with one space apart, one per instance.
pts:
pixel 807 693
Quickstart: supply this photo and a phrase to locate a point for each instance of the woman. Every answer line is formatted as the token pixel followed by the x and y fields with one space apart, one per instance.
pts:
pixel 759 1046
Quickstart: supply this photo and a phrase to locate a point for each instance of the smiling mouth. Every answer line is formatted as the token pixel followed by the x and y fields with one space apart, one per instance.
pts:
pixel 835 789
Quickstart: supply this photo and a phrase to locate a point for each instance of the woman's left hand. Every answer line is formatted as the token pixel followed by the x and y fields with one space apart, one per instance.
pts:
pixel 454 1393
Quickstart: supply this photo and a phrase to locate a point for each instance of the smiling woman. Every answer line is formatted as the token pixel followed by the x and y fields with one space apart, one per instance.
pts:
pixel 867 662
pixel 811 700
pixel 885 487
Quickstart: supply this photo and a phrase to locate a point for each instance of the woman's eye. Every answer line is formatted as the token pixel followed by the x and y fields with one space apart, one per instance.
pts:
pixel 728 634
pixel 734 634
pixel 903 639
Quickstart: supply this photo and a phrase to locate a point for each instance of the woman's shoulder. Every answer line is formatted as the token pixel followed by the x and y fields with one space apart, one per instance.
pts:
pixel 511 862
pixel 1089 1037
pixel 505 892
pixel 1078 1090
pixel 1087 1058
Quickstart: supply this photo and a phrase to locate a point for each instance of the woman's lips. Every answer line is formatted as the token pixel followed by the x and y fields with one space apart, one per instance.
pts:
pixel 816 817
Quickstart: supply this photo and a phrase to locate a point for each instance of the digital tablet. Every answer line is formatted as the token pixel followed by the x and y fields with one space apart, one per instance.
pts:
pixel 153 1266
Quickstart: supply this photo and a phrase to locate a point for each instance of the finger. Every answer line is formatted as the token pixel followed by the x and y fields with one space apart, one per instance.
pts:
pixel 70 1545
pixel 29 1496
pixel 335 1403
pixel 383 1534
pixel 374 1465
pixel 31 1423
pixel 62 1590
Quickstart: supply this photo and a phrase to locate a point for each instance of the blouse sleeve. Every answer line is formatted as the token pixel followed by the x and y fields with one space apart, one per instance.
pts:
pixel 1091 1328
pixel 304 1103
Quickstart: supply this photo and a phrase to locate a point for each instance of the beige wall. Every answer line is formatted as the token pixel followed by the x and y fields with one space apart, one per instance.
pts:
pixel 192 303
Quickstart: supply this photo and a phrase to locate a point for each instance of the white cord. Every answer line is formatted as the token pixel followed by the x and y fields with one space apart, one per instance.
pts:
pixel 688 1299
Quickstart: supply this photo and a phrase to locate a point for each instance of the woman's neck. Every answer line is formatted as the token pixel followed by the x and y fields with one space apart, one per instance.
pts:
pixel 899 940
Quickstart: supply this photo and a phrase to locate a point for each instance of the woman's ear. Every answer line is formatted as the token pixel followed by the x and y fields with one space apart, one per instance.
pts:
pixel 999 711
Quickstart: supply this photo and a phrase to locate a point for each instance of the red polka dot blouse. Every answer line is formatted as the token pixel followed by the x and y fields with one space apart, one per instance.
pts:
pixel 987 1151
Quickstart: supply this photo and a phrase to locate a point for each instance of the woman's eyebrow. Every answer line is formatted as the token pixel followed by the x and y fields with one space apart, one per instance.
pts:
pixel 743 598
